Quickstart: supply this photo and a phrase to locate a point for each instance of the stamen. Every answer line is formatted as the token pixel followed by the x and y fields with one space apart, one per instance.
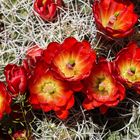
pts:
pixel 112 19
pixel 101 86
pixel 131 71
pixel 49 88
pixel 71 64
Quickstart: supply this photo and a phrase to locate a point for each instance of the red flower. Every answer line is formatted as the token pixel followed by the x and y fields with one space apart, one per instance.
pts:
pixel 72 60
pixel 5 100
pixel 47 9
pixel 127 66
pixel 102 89
pixel 116 18
pixel 48 93
pixel 16 79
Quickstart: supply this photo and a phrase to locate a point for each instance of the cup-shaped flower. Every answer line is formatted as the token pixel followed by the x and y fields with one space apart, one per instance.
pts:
pixel 48 93
pixel 16 79
pixel 102 89
pixel 116 18
pixel 47 9
pixel 5 100
pixel 127 66
pixel 73 61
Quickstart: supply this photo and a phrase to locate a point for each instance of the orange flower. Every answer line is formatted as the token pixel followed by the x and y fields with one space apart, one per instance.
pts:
pixel 47 9
pixel 127 66
pixel 48 93
pixel 5 100
pixel 73 61
pixel 116 18
pixel 102 89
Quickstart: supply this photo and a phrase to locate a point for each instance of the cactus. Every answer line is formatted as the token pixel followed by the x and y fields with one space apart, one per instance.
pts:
pixel 20 28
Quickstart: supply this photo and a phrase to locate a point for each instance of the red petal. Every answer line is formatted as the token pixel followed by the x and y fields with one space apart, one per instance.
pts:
pixel 33 100
pixel 87 104
pixel 50 52
pixel 121 91
pixel 68 43
pixel 113 103
pixel 62 114
pixel 52 10
pixel 86 44
pixel 76 86
pixel 70 103
pixel 46 107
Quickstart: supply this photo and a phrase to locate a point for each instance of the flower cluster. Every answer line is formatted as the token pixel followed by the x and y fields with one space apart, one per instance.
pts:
pixel 106 85
pixel 51 76
pixel 55 73
pixel 48 78
pixel 58 73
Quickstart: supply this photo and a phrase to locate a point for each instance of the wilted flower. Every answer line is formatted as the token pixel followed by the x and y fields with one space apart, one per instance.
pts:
pixel 47 9
pixel 5 100
pixel 16 79
pixel 101 88
pixel 33 54
pixel 127 66
pixel 48 93
pixel 116 18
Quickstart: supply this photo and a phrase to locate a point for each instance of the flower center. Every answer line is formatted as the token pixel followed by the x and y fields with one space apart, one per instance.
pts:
pixel 112 19
pixel 116 14
pixel 131 71
pixel 71 64
pixel 101 86
pixel 44 1
pixel 49 88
